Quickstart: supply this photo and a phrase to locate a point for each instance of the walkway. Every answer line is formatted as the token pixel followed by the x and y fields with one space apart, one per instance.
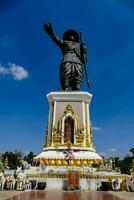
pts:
pixel 63 195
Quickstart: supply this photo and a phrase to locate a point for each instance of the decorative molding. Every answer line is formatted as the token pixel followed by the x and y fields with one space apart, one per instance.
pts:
pixel 52 174
pixel 74 96
pixel 69 162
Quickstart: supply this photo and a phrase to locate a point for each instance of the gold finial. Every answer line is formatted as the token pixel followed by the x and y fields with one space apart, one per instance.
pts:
pixel 68 109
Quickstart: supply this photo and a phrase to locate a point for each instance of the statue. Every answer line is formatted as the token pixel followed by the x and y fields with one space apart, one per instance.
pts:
pixel 2 181
pixel 74 55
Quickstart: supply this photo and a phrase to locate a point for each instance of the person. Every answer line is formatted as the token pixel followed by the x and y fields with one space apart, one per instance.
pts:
pixel 74 54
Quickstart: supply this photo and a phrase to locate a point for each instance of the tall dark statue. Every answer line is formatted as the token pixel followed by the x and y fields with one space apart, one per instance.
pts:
pixel 74 55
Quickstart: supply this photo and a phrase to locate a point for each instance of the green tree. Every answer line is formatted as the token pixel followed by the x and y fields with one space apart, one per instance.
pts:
pixel 29 157
pixel 116 161
pixel 125 165
pixel 14 158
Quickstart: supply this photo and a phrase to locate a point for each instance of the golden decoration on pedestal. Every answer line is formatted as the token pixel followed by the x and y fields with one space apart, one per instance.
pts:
pixel 58 162
pixel 64 162
pixel 57 136
pixel 77 162
pixel 91 163
pixel 58 132
pixel 84 162
pixel 80 136
pixel 70 162
pixel 52 162
pixel 68 111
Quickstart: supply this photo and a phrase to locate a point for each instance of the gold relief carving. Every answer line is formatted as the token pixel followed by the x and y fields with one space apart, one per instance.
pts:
pixel 80 136
pixel 69 109
pixel 69 144
pixel 57 136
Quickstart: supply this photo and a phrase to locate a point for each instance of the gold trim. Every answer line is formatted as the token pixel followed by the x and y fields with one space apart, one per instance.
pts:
pixel 69 162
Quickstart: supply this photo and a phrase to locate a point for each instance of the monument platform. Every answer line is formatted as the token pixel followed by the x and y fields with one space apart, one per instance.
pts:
pixel 69 158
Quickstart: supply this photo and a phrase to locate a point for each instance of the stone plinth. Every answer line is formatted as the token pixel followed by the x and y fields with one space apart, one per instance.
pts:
pixel 73 106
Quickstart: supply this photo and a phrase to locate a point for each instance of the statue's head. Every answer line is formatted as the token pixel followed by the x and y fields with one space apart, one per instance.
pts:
pixel 71 35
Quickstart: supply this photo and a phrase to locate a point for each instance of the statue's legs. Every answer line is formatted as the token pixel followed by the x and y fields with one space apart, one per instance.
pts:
pixel 70 76
pixel 65 74
pixel 77 77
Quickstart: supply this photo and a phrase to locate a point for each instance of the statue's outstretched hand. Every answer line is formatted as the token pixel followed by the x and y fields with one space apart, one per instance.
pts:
pixel 48 28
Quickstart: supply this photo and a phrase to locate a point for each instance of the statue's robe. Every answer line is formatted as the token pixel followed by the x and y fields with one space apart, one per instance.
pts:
pixel 71 67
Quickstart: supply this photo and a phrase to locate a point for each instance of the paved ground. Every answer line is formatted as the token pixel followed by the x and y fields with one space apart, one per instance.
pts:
pixel 124 195
pixel 63 195
pixel 6 194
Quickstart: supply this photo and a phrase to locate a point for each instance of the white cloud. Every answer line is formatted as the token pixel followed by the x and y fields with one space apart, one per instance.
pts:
pixel 102 154
pixel 112 150
pixel 3 70
pixel 26 152
pixel 95 128
pixel 109 152
pixel 17 72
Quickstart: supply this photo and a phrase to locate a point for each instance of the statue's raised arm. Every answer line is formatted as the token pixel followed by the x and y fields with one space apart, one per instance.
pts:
pixel 49 30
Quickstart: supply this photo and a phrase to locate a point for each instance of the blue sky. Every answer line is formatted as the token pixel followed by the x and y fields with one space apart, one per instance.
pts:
pixel 30 63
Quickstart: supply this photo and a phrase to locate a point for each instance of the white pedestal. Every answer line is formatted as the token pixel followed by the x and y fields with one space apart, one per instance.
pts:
pixel 69 104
